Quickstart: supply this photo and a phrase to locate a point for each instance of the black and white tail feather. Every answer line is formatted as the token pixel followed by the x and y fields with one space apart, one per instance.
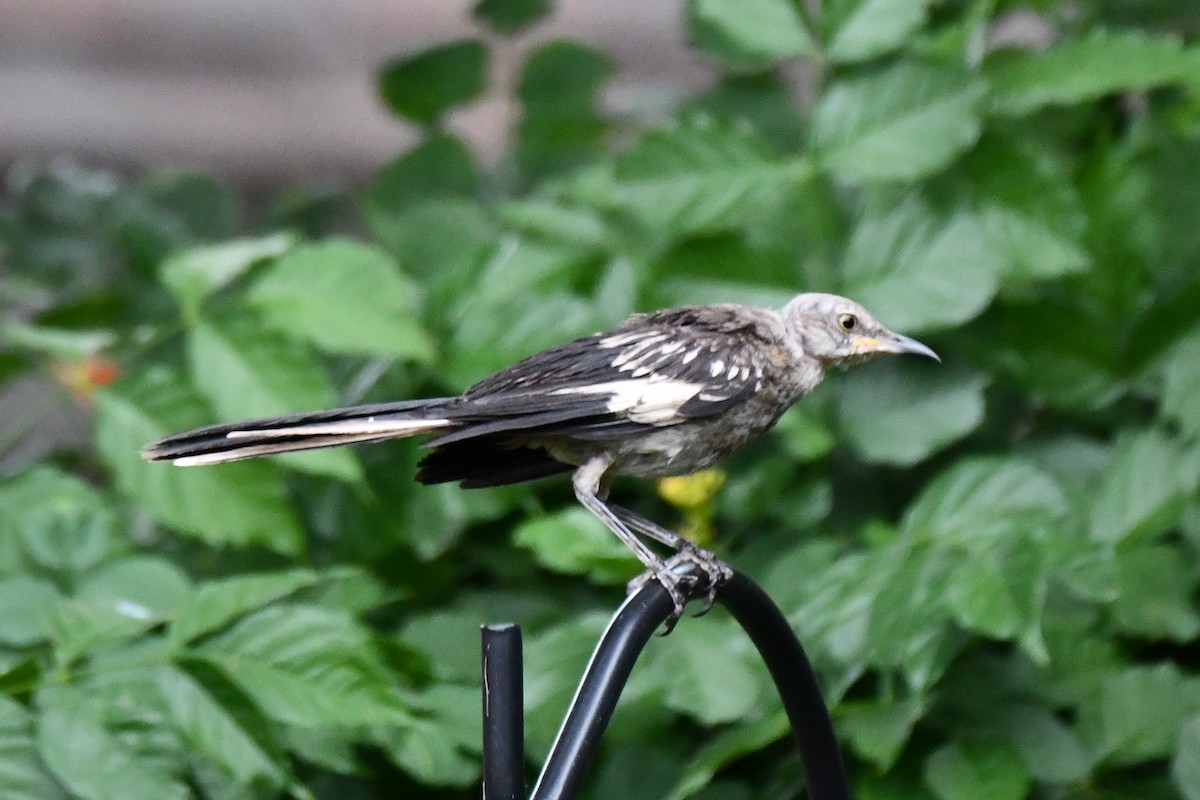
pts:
pixel 664 393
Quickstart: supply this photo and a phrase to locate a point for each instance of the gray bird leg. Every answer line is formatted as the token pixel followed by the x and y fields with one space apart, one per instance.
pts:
pixel 717 571
pixel 587 482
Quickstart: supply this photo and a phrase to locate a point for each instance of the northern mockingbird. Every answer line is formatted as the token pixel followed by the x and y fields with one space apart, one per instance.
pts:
pixel 665 393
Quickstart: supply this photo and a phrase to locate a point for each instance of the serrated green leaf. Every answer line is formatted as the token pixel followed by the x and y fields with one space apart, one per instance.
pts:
pixel 343 296
pixel 701 176
pixel 984 770
pixel 905 122
pixel 894 413
pixel 982 499
pixel 510 16
pixel 213 733
pixel 424 86
pixel 78 626
pixel 194 274
pixel 856 30
pixel 441 746
pixel 214 604
pixel 306 666
pixel 246 372
pixel 748 34
pixel 1185 766
pixel 575 542
pixel 239 504
pixel 897 260
pixel 92 762
pixel 1076 71
pixel 1144 490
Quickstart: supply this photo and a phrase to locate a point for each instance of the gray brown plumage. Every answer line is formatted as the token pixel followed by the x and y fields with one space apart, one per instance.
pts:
pixel 664 393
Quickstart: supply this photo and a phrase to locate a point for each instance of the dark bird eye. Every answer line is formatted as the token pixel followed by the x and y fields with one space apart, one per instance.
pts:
pixel 848 322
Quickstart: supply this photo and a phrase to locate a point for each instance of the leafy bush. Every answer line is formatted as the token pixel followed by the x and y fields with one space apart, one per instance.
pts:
pixel 994 563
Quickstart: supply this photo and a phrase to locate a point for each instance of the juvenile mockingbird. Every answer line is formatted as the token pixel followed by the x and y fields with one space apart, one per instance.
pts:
pixel 665 393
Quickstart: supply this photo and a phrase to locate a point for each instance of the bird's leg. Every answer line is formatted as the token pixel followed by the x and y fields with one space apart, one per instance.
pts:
pixel 717 571
pixel 587 482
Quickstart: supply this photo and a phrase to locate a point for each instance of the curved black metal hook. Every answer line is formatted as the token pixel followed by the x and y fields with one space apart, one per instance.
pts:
pixel 611 664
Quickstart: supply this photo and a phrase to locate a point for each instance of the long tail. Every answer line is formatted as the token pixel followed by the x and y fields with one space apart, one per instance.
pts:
pixel 259 437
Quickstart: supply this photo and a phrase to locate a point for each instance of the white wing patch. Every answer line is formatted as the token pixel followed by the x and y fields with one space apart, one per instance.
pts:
pixel 645 400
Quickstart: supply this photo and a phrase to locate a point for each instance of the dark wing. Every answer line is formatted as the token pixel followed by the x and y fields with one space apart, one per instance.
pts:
pixel 653 370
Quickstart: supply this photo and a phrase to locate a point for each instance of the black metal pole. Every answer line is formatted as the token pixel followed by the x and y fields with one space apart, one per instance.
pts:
pixel 503 713
pixel 824 773
pixel 596 698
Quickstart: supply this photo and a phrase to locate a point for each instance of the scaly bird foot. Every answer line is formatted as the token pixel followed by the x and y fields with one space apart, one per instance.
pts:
pixel 680 574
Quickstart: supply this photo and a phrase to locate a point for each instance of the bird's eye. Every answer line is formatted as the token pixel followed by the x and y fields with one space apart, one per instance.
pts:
pixel 847 322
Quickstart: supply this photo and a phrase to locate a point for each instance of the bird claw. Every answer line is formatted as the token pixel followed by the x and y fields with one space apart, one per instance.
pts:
pixel 687 568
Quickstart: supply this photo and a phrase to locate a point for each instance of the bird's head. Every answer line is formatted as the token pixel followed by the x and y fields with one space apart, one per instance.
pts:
pixel 839 332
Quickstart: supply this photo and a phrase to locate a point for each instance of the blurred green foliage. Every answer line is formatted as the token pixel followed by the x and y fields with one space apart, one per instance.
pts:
pixel 994 563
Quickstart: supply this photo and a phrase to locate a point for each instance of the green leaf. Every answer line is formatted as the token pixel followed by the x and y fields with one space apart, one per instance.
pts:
pixel 438 168
pixel 905 122
pixel 441 746
pixel 510 16
pixel 711 691
pixel 1181 383
pixel 306 666
pixel 748 34
pixel 92 762
pixel 213 733
pixel 984 499
pixel 343 296
pixel 142 587
pixel 983 770
pixel 878 731
pixel 248 372
pixel 423 87
pixel 25 602
pixel 1156 595
pixel 1185 766
pixel 62 343
pixel 1028 209
pixel 1051 750
pixel 979 597
pixel 725 747
pixel 194 274
pixel 561 126
pixel 79 626
pixel 701 176
pixel 216 603
pixel 23 774
pixel 240 504
pixel 897 413
pixel 897 260
pixel 1077 71
pixel 1145 489
pixel 575 542
pixel 1140 711
pixel 856 30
